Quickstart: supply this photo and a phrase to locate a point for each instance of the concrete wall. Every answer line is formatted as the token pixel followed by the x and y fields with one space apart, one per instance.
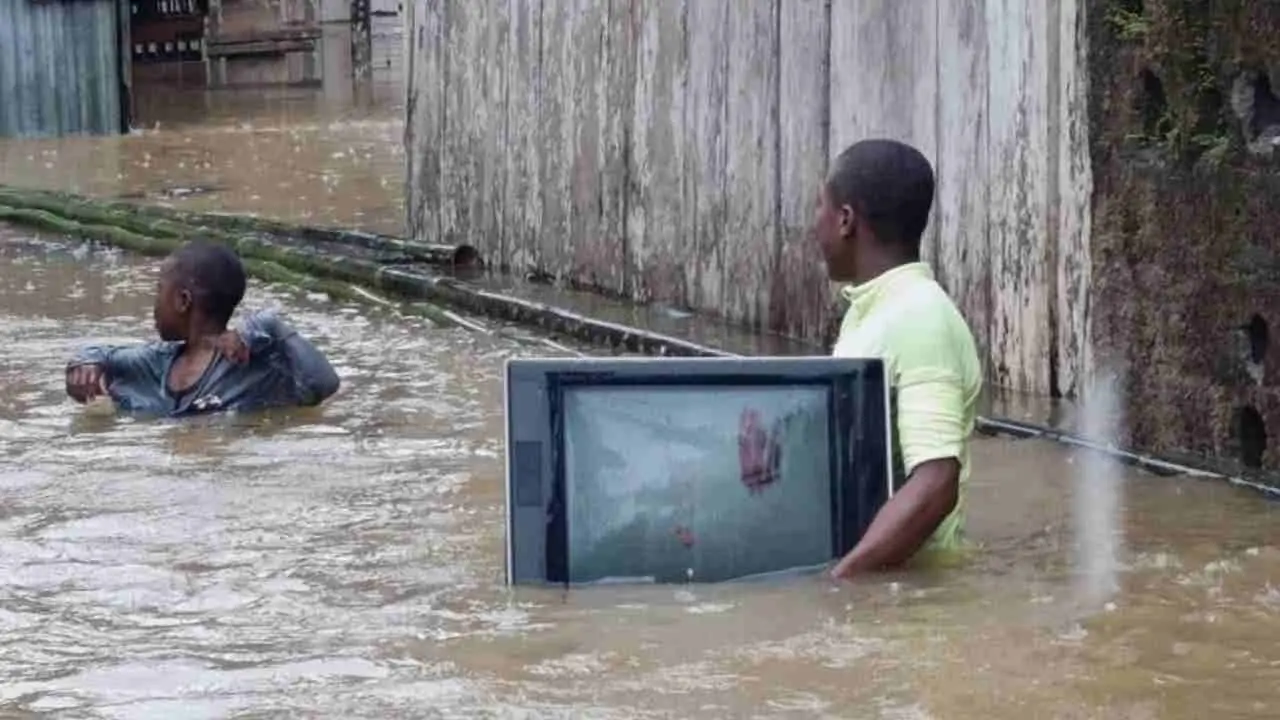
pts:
pixel 1186 152
pixel 672 150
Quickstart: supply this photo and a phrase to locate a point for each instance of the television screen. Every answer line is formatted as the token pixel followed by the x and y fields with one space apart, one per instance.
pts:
pixel 705 484
pixel 691 470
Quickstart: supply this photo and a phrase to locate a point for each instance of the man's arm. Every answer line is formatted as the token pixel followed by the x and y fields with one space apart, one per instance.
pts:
pixel 314 378
pixel 905 523
pixel 932 431
pixel 93 369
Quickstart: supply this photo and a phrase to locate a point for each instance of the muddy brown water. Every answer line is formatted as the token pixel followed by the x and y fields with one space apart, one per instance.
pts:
pixel 286 153
pixel 347 562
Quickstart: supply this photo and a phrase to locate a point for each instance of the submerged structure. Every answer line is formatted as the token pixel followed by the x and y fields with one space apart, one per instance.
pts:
pixel 1104 166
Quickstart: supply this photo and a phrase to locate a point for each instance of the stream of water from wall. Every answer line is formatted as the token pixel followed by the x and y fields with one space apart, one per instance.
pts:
pixel 1098 525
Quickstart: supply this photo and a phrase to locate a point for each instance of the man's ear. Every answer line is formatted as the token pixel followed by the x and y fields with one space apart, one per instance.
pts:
pixel 848 221
pixel 184 300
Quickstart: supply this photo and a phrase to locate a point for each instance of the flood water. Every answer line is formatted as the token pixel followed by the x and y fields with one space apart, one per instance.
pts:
pixel 289 153
pixel 347 561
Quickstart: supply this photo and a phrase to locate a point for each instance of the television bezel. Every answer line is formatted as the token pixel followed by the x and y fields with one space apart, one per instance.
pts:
pixel 668 371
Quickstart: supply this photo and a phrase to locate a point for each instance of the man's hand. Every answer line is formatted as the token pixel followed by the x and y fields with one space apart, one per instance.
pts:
pixel 231 346
pixel 86 382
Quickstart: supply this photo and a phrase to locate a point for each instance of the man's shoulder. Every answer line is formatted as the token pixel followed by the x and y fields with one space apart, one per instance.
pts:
pixel 927 306
pixel 929 330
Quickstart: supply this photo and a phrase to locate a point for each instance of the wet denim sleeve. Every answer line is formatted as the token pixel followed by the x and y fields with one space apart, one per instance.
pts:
pixel 126 365
pixel 314 378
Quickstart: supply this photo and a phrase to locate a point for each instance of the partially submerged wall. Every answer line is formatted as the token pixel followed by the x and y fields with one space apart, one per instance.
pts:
pixel 1185 133
pixel 672 151
pixel 264 42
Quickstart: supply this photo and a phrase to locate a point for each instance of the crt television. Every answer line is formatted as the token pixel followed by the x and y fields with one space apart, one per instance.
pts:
pixel 690 470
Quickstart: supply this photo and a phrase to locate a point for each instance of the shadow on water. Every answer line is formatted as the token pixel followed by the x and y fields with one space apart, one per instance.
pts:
pixel 346 561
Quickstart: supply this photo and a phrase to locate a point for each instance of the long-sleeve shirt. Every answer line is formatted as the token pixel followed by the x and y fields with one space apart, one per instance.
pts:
pixel 284 370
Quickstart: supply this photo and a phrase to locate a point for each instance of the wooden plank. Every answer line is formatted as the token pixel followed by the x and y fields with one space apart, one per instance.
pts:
pixel 1021 339
pixel 523 167
pixel 424 127
pixel 556 145
pixel 615 88
pixel 492 117
pixel 265 48
pixel 278 34
pixel 472 168
pixel 800 298
pixel 706 196
pixel 751 233
pixel 572 125
pixel 1074 196
pixel 657 224
pixel 962 263
pixel 463 146
pixel 884 78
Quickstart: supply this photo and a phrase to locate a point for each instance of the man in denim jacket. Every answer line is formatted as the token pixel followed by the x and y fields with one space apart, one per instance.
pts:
pixel 200 366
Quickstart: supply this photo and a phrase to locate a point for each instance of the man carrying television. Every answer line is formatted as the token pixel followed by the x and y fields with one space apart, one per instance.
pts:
pixel 872 211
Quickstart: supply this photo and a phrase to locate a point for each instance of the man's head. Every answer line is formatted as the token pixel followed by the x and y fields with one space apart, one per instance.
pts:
pixel 873 209
pixel 200 286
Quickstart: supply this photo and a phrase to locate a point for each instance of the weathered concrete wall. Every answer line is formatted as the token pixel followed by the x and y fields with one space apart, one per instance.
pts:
pixel 672 150
pixel 1185 133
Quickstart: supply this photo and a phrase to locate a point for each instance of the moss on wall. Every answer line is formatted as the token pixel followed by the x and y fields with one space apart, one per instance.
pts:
pixel 1185 245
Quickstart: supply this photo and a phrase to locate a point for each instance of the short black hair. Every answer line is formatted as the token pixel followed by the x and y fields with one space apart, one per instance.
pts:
pixel 214 276
pixel 890 184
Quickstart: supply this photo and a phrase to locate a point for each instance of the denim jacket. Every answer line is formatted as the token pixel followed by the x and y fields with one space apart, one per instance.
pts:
pixel 284 369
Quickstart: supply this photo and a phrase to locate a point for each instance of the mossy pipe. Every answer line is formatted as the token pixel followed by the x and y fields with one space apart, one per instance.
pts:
pixel 108 234
pixel 257 263
pixel 116 212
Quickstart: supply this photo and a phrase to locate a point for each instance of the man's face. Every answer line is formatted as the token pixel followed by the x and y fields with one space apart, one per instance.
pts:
pixel 172 307
pixel 833 229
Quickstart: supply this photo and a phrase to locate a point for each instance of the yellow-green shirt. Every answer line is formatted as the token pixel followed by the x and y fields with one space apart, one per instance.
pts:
pixel 905 318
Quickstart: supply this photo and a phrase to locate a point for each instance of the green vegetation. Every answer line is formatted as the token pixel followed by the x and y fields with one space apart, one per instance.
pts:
pixel 1182 112
pixel 1128 24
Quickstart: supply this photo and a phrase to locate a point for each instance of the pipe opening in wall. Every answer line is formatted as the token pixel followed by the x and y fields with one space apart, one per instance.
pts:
pixel 1259 339
pixel 1256 105
pixel 1251 432
pixel 1266 106
pixel 1151 105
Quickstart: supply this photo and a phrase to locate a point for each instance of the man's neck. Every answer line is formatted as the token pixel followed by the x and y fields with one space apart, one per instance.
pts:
pixel 877 266
pixel 199 335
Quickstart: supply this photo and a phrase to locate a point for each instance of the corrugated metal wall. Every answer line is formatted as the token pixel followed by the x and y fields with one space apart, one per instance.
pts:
pixel 59 67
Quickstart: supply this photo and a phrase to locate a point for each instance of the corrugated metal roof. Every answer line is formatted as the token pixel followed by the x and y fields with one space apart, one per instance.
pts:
pixel 59 67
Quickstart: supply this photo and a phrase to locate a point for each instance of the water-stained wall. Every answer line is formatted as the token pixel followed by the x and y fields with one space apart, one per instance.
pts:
pixel 1186 153
pixel 672 150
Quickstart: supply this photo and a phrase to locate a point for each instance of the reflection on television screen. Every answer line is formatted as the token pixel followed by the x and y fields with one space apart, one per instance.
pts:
pixel 684 482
